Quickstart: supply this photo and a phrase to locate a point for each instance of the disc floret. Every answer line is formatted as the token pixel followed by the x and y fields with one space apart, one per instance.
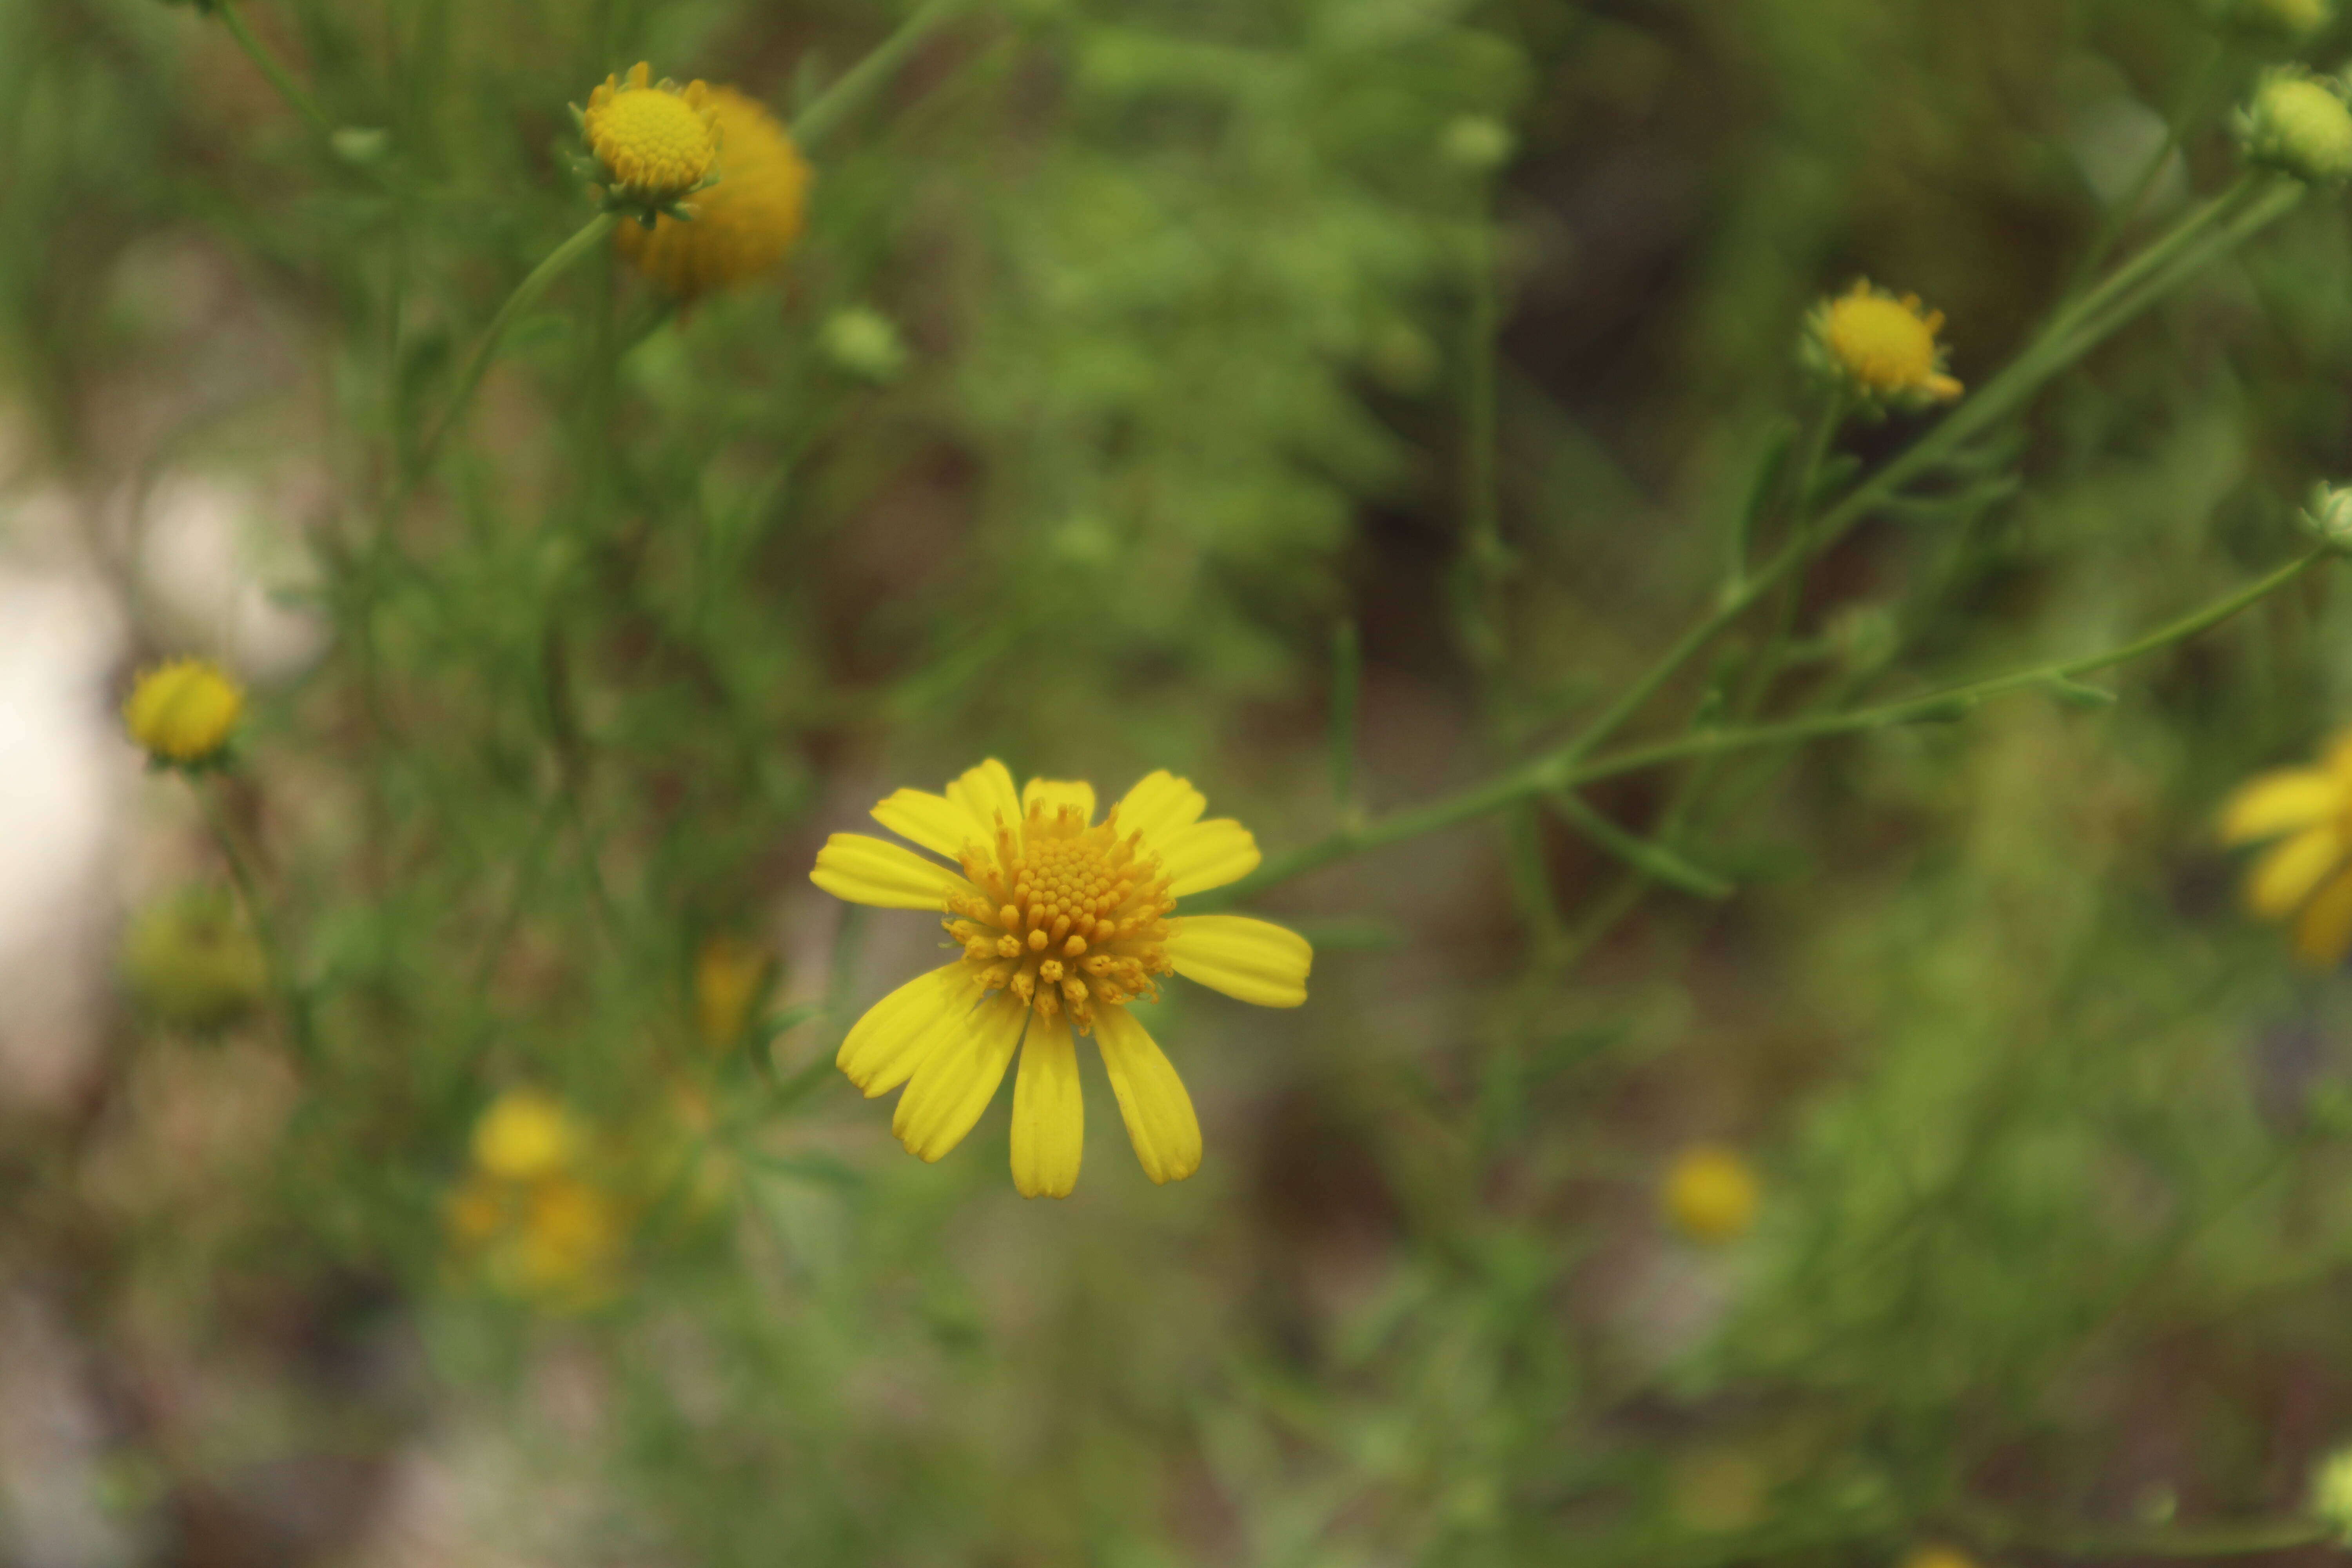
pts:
pixel 1068 917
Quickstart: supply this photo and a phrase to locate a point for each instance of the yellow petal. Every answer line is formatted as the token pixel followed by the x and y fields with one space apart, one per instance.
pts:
pixel 2282 802
pixel 987 791
pixel 867 870
pixel 1151 1097
pixel 1252 960
pixel 1158 805
pixel 939 825
pixel 1049 1114
pixel 1208 855
pixel 886 1045
pixel 1057 793
pixel 2285 876
pixel 2324 933
pixel 959 1077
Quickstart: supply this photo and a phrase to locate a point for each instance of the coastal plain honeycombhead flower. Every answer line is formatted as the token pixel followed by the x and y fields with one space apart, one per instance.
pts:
pixel 1065 924
pixel 2305 876
pixel 1880 347
pixel 1711 1194
pixel 183 711
pixel 745 220
pixel 654 142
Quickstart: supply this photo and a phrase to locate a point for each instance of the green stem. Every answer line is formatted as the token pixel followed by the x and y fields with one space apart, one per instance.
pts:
pixel 292 91
pixel 525 295
pixel 836 103
pixel 1564 769
pixel 1484 562
pixel 290 998
pixel 2074 332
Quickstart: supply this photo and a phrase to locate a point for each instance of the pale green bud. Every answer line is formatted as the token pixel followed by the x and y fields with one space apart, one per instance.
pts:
pixel 2298 124
pixel 1478 141
pixel 2328 515
pixel 2331 1491
pixel 191 961
pixel 2293 20
pixel 865 342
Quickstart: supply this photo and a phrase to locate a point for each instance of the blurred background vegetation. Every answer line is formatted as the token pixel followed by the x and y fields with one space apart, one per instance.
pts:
pixel 1141 358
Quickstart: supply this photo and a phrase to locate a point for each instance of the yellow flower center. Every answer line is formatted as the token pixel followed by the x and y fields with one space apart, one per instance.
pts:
pixel 1067 915
pixel 1885 344
pixel 652 141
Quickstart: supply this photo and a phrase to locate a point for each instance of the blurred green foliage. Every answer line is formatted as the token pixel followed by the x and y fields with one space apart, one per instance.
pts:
pixel 1189 306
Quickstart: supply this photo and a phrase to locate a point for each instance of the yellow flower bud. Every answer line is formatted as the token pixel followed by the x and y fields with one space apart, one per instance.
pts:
pixel 183 711
pixel 1711 1194
pixel 524 1136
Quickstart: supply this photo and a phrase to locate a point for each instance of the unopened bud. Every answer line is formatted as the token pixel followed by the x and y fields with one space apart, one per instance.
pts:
pixel 2328 515
pixel 2297 125
pixel 1478 141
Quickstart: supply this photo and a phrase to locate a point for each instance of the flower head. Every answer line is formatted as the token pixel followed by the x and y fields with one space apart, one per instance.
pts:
pixel 192 960
pixel 744 220
pixel 1065 924
pixel 2306 875
pixel 654 142
pixel 1880 348
pixel 1711 1194
pixel 183 711
pixel 529 1220
pixel 2328 515
pixel 2298 124
pixel 731 977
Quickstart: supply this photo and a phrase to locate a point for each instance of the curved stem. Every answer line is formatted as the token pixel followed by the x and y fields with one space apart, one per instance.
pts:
pixel 296 1005
pixel 867 77
pixel 1563 770
pixel 296 96
pixel 525 295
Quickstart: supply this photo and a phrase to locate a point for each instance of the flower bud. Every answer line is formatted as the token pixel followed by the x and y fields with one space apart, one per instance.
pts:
pixel 2297 125
pixel 863 343
pixel 1478 141
pixel 2331 1491
pixel 183 711
pixel 2290 20
pixel 2328 515
pixel 191 961
pixel 1711 1194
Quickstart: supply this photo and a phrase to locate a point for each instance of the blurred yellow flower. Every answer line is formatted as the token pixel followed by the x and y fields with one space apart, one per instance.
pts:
pixel 528 1220
pixel 1711 1194
pixel 1880 346
pixel 744 221
pixel 1065 921
pixel 184 711
pixel 731 978
pixel 655 142
pixel 2308 876
pixel 1936 1555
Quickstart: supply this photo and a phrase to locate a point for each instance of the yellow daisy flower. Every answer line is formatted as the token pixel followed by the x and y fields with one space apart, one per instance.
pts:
pixel 655 142
pixel 1711 1194
pixel 2307 875
pixel 1065 923
pixel 744 221
pixel 1880 346
pixel 184 711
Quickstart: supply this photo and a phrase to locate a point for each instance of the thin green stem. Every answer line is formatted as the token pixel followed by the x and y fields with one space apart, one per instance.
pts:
pixel 290 998
pixel 1564 770
pixel 526 294
pixel 1485 562
pixel 836 103
pixel 2175 132
pixel 296 96
pixel 1347 682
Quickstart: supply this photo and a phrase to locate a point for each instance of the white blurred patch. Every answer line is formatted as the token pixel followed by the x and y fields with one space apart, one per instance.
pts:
pixel 51 1450
pixel 213 566
pixel 63 775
